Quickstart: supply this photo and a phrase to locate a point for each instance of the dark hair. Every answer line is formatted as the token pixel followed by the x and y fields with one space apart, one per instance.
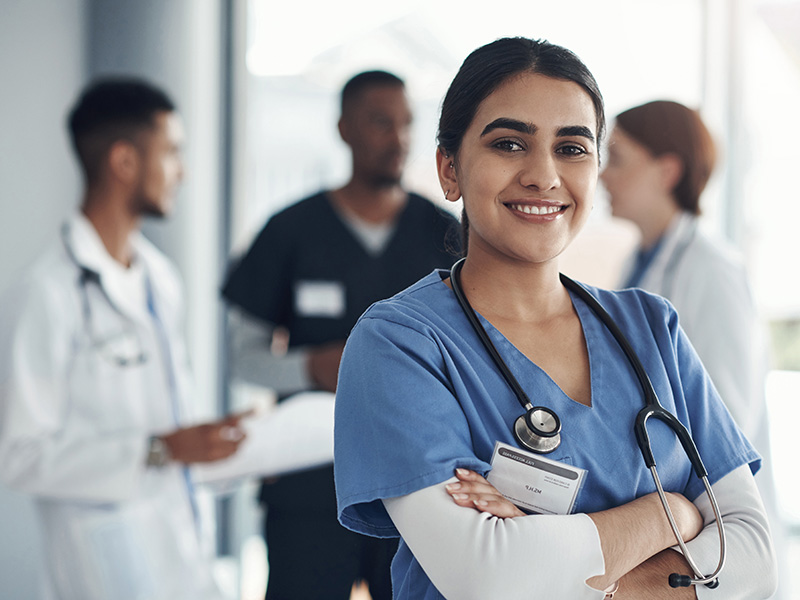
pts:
pixel 488 67
pixel 665 127
pixel 109 110
pixel 368 79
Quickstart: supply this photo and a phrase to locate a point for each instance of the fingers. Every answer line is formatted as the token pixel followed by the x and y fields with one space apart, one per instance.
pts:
pixel 234 418
pixel 473 491
pixel 231 433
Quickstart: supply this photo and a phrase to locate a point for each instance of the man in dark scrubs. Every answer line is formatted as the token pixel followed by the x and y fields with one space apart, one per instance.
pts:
pixel 308 276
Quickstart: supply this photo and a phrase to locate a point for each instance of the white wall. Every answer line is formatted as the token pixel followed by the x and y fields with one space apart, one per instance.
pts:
pixel 42 67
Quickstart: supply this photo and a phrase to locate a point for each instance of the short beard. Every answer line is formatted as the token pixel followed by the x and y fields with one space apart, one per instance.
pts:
pixel 143 207
pixel 382 181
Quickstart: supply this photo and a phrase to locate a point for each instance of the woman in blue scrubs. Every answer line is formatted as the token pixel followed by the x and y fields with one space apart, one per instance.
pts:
pixel 420 404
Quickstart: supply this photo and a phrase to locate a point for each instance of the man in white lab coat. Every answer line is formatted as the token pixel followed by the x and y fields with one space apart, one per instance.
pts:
pixel 94 396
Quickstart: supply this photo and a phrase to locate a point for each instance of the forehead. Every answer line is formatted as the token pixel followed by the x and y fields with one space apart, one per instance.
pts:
pixel 167 125
pixel 543 101
pixel 381 98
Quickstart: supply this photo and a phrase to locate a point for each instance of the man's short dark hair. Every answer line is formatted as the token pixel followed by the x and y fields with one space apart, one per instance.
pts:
pixel 368 79
pixel 108 110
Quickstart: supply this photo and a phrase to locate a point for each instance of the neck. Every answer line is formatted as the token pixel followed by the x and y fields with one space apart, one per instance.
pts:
pixel 371 203
pixel 113 223
pixel 514 290
pixel 656 224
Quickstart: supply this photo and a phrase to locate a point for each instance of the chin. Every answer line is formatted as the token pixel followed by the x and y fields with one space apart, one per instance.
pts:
pixel 156 211
pixel 386 180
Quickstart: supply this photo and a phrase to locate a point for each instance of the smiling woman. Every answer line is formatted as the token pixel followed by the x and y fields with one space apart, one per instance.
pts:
pixel 421 408
pixel 528 158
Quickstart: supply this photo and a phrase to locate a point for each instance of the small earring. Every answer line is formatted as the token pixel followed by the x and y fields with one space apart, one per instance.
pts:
pixel 445 194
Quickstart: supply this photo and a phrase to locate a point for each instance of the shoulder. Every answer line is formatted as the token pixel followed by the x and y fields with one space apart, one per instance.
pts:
pixel 714 261
pixel 635 308
pixel 427 207
pixel 46 291
pixel 416 307
pixel 51 272
pixel 281 229
pixel 628 299
pixel 302 209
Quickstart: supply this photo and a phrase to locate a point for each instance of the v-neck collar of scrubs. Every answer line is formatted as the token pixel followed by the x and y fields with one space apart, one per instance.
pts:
pixel 396 225
pixel 532 377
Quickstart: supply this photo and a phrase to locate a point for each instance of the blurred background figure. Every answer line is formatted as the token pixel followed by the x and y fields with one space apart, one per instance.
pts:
pixel 95 402
pixel 660 157
pixel 308 276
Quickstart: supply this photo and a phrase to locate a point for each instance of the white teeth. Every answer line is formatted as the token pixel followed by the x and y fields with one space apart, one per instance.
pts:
pixel 536 210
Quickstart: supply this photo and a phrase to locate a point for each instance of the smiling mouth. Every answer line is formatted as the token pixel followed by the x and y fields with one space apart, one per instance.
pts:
pixel 531 209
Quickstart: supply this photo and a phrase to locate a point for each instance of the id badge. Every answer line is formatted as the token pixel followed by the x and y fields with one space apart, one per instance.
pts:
pixel 320 299
pixel 533 483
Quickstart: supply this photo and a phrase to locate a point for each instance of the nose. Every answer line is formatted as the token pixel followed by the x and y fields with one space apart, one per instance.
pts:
pixel 540 171
pixel 400 137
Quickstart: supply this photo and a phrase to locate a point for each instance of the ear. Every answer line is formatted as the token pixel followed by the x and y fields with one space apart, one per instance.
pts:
pixel 124 161
pixel 671 168
pixel 445 169
pixel 344 130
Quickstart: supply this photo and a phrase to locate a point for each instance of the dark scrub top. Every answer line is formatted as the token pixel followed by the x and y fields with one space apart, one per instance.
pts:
pixel 307 272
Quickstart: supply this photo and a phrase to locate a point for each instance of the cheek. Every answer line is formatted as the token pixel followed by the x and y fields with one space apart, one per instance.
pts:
pixel 619 180
pixel 583 184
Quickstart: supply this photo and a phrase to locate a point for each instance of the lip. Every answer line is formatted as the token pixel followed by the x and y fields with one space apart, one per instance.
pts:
pixel 536 210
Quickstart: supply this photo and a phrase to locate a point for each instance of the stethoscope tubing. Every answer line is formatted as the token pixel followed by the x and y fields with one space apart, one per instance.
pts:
pixel 652 409
pixel 87 276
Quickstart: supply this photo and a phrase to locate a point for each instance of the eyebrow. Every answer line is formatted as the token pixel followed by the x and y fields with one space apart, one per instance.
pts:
pixel 514 124
pixel 576 130
pixel 530 128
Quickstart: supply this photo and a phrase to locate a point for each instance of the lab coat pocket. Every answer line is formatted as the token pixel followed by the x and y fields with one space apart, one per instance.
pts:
pixel 104 394
pixel 100 556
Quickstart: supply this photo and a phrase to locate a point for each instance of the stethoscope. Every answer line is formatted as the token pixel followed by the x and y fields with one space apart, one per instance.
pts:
pixel 539 429
pixel 125 349
pixel 137 354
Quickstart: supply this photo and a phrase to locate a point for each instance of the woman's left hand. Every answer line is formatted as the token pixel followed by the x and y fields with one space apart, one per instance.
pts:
pixel 473 491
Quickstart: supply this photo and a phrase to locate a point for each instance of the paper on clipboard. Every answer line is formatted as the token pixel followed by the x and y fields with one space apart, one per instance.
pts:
pixel 297 434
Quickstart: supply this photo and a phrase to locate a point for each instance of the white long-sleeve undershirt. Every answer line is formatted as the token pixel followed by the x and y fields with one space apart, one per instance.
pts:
pixel 252 359
pixel 472 555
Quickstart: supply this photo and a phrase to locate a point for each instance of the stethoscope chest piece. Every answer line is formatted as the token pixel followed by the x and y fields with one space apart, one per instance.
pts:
pixel 538 430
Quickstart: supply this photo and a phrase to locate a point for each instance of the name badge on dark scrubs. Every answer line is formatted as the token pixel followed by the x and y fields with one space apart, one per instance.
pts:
pixel 320 299
pixel 533 483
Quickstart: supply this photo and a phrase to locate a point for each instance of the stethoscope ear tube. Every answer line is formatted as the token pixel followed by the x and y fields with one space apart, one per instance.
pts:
pixel 643 437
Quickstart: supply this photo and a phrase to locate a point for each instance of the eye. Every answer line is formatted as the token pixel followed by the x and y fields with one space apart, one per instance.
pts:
pixel 572 150
pixel 382 123
pixel 507 145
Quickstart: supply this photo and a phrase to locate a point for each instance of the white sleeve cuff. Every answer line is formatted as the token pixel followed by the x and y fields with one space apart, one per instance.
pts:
pixel 252 359
pixel 468 554
pixel 750 570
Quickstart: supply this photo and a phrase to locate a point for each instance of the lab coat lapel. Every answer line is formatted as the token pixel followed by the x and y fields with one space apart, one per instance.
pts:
pixel 90 253
pixel 677 233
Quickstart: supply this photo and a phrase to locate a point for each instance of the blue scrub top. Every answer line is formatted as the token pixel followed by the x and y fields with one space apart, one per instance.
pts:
pixel 419 396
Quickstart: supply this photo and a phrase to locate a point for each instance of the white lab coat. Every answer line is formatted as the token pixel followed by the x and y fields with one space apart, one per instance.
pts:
pixel 707 283
pixel 74 426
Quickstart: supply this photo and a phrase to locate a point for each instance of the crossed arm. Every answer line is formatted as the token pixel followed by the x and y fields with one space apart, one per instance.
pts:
pixel 497 551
